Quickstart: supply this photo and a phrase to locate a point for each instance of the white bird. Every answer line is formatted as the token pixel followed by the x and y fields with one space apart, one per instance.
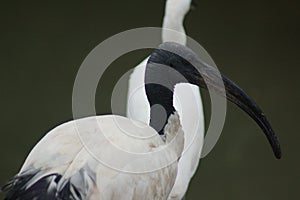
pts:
pixel 82 160
pixel 187 102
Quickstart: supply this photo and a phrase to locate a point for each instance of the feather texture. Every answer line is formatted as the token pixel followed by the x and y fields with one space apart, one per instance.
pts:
pixel 79 160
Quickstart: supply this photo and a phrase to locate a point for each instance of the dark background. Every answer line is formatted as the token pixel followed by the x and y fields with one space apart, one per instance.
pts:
pixel 255 43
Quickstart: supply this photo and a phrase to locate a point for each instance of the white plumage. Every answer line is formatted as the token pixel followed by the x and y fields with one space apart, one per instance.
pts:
pixel 92 155
pixel 187 100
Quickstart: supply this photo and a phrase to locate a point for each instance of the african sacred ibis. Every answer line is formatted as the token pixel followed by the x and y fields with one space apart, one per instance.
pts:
pixel 187 102
pixel 61 166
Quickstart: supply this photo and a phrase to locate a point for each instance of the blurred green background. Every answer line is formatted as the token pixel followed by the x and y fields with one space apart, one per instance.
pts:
pixel 255 43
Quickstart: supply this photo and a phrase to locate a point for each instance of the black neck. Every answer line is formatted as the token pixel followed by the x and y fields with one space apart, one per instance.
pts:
pixel 162 74
pixel 161 105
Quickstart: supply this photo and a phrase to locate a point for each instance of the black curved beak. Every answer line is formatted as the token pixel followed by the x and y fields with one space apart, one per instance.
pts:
pixel 210 77
pixel 199 73
pixel 236 95
pixel 240 98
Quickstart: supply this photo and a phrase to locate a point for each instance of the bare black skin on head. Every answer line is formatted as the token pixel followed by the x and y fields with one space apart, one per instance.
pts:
pixel 158 94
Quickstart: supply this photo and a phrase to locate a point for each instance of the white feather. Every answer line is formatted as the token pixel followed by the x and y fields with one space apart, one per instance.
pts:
pixel 63 151
pixel 187 101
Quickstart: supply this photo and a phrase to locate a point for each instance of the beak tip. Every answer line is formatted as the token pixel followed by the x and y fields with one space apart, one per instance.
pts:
pixel 276 149
pixel 278 154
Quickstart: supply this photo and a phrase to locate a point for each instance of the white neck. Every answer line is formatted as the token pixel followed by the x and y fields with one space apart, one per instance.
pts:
pixel 173 29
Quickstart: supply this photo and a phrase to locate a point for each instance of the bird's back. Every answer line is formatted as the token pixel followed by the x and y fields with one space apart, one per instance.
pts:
pixel 103 157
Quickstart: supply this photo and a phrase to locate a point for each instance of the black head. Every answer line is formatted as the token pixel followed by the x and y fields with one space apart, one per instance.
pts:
pixel 173 63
